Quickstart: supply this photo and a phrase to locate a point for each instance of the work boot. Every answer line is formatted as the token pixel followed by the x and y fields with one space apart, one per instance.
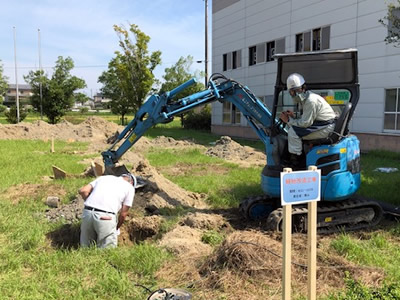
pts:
pixel 297 161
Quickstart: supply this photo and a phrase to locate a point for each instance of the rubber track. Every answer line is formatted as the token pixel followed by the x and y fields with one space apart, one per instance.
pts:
pixel 274 220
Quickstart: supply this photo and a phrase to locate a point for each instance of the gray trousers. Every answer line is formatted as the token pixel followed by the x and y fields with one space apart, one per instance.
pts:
pixel 98 228
pixel 296 143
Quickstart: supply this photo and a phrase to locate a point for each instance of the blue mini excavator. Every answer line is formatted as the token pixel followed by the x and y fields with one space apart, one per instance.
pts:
pixel 331 74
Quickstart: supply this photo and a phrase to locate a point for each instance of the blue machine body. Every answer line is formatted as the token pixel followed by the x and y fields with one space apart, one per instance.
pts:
pixel 340 170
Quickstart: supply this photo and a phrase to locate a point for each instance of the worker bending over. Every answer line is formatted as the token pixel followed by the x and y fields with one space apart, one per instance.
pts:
pixel 104 198
pixel 316 121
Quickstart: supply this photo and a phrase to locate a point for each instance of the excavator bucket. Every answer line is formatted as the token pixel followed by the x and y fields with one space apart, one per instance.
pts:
pixel 116 170
pixel 119 170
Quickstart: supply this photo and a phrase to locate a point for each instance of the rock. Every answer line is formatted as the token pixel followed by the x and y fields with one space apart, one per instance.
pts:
pixel 53 201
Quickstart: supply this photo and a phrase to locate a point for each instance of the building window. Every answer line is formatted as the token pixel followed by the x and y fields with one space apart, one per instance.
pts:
pixel 270 50
pixel 232 60
pixel 230 113
pixel 236 59
pixel 226 112
pixel 299 42
pixel 224 62
pixel 316 42
pixel 319 40
pixel 392 110
pixel 252 55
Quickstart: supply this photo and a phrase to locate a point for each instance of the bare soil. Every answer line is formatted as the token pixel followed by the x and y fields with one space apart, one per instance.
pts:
pixel 247 265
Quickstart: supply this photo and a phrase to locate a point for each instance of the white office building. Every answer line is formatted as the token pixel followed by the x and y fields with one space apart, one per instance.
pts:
pixel 246 33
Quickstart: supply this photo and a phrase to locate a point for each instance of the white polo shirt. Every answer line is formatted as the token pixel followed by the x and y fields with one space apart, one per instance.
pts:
pixel 110 193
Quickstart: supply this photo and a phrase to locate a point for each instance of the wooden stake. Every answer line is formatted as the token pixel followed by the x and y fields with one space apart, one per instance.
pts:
pixel 287 248
pixel 312 247
pixel 52 144
pixel 287 251
pixel 312 250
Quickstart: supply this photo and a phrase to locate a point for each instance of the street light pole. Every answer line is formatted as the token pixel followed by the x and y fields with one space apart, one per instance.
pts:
pixel 40 72
pixel 16 73
pixel 206 43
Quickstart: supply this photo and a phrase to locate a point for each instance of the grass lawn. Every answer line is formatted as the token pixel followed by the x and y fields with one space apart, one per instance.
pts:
pixel 32 268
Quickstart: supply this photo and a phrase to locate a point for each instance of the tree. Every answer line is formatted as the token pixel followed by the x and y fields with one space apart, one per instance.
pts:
pixel 179 74
pixel 57 91
pixel 392 22
pixel 80 98
pixel 3 83
pixel 12 117
pixel 129 77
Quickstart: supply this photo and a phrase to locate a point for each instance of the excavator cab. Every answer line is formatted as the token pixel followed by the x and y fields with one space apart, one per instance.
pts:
pixel 334 76
pixel 331 74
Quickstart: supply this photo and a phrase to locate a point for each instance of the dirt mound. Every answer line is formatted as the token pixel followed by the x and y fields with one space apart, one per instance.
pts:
pixel 159 191
pixel 142 228
pixel 164 143
pixel 246 254
pixel 185 242
pixel 93 128
pixel 205 221
pixel 228 149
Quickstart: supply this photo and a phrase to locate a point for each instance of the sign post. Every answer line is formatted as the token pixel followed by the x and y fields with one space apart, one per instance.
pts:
pixel 297 188
pixel 287 249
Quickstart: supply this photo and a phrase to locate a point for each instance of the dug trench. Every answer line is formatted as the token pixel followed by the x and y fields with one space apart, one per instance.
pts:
pixel 246 260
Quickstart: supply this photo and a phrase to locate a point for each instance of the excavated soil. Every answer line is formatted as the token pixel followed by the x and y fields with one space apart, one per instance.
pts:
pixel 243 264
pixel 229 150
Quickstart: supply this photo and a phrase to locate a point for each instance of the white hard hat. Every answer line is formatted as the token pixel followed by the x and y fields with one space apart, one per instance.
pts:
pixel 294 81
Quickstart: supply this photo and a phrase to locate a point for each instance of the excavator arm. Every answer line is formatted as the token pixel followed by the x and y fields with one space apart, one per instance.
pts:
pixel 163 108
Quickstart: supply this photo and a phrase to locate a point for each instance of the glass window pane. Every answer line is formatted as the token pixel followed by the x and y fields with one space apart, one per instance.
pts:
pixel 307 41
pixel 398 122
pixel 389 121
pixel 226 118
pixel 224 62
pixel 390 104
pixel 226 107
pixel 299 42
pixel 316 39
pixel 237 117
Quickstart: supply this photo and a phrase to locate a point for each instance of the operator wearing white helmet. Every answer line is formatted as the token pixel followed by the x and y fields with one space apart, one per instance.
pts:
pixel 316 121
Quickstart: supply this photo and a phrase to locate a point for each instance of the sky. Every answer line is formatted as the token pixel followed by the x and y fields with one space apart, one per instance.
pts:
pixel 83 30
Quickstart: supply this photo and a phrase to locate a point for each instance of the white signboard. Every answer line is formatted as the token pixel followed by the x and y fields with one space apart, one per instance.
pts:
pixel 300 187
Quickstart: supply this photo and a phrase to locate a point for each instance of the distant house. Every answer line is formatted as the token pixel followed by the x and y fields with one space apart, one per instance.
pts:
pixel 100 101
pixel 24 92
pixel 78 105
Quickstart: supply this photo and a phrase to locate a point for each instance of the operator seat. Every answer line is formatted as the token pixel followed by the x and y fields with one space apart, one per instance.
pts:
pixel 339 131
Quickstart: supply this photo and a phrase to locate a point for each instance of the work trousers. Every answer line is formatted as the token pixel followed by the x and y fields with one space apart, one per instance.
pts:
pixel 296 143
pixel 99 228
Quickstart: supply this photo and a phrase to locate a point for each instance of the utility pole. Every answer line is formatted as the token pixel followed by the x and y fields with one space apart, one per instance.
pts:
pixel 206 42
pixel 40 82
pixel 16 74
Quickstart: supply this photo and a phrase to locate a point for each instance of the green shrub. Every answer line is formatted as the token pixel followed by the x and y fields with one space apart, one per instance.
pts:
pixel 11 115
pixel 2 108
pixel 357 291
pixel 84 110
pixel 198 121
